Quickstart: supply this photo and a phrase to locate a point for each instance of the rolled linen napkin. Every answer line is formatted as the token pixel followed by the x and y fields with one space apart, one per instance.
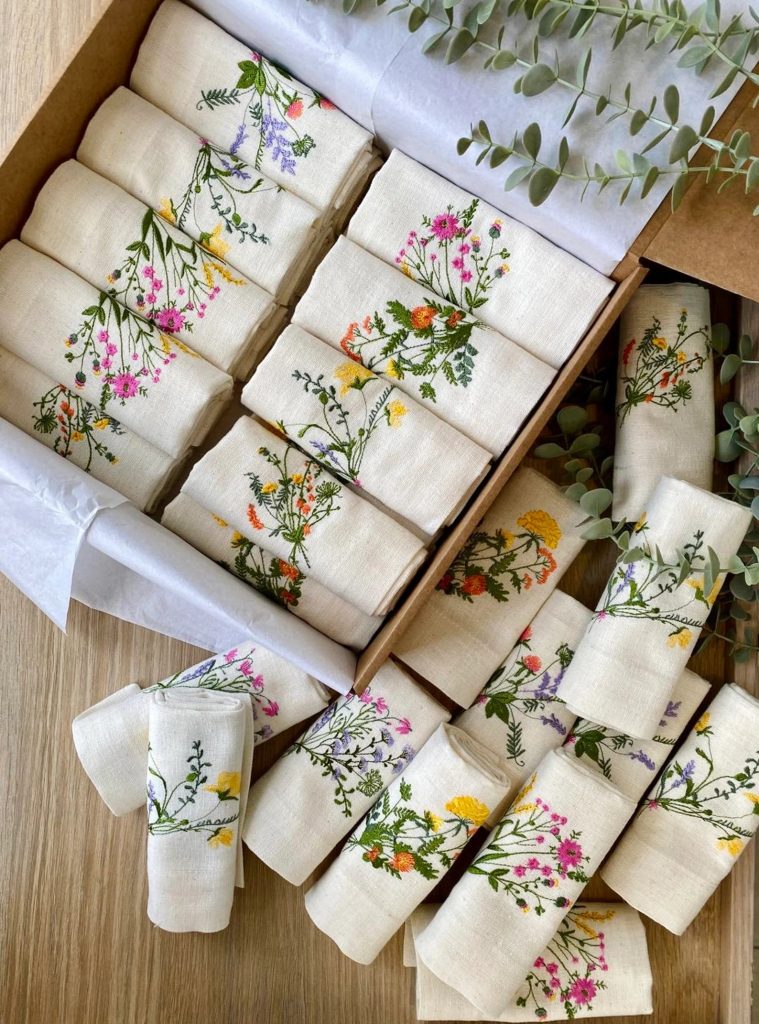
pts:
pixel 116 360
pixel 111 737
pixel 665 394
pixel 633 764
pixel 646 622
pixel 475 379
pixel 596 965
pixel 152 268
pixel 256 481
pixel 270 575
pixel 80 432
pixel 705 803
pixel 498 581
pixel 252 108
pixel 407 842
pixel 365 430
pixel 306 803
pixel 198 766
pixel 505 909
pixel 478 258
pixel 228 206
pixel 520 715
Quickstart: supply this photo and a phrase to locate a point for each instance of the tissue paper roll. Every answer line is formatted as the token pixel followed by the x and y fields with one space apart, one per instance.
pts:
pixel 596 964
pixel 365 430
pixel 80 432
pixel 705 803
pixel 114 359
pixel 198 764
pixel 233 96
pixel 257 482
pixel 665 394
pixel 475 379
pixel 633 764
pixel 520 715
pixel 501 577
pixel 646 625
pixel 270 575
pixel 407 842
pixel 306 803
pixel 478 258
pixel 186 290
pixel 228 206
pixel 506 908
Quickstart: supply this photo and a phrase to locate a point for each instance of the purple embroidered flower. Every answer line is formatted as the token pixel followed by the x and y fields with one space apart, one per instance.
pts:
pixel 554 723
pixel 234 171
pixel 281 149
pixel 325 451
pixel 387 737
pixel 628 575
pixel 378 754
pixel 239 139
pixel 673 709
pixel 685 775
pixel 640 755
pixel 264 732
pixel 199 670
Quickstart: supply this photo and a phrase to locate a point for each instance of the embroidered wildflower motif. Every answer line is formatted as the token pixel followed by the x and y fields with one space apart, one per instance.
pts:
pixel 177 805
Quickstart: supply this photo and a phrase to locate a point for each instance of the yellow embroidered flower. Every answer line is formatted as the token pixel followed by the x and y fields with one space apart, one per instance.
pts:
pixel 523 808
pixel 269 488
pixel 297 478
pixel 504 268
pixel 525 909
pixel 395 412
pixel 221 837
pixel 711 597
pixel 640 523
pixel 102 423
pixel 525 790
pixel 542 525
pixel 352 375
pixel 753 797
pixel 433 820
pixel 227 785
pixel 216 244
pixel 219 521
pixel 237 537
pixel 660 343
pixel 680 639
pixel 681 356
pixel 733 846
pixel 166 211
pixel 703 723
pixel 406 269
pixel 77 435
pixel 469 808
pixel 391 370
pixel 507 537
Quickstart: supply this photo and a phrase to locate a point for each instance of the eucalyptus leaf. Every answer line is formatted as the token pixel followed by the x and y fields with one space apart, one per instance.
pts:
pixel 571 419
pixel 599 530
pixel 550 450
pixel 730 366
pixel 542 184
pixel 595 502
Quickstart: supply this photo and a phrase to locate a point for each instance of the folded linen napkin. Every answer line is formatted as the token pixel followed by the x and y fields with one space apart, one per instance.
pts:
pixel 198 771
pixel 498 581
pixel 633 764
pixel 596 965
pixel 365 430
pixel 477 380
pixel 309 799
pixel 665 394
pixel 152 268
pixel 111 737
pixel 407 842
pixel 706 803
pixel 270 575
pixel 256 481
pixel 646 622
pixel 478 258
pixel 252 108
pixel 115 359
pixel 234 211
pixel 80 432
pixel 505 909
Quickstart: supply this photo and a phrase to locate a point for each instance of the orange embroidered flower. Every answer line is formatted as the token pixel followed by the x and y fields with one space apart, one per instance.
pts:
pixel 527 582
pixel 372 854
pixel 345 343
pixel 475 584
pixel 649 398
pixel 422 317
pixel 288 570
pixel 664 379
pixel 402 861
pixel 627 350
pixel 287 597
pixel 454 318
pixel 253 519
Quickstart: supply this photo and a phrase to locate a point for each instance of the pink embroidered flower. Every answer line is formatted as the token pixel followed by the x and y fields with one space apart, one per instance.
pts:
pixel 148 272
pixel 466 275
pixel 246 668
pixel 124 385
pixel 257 682
pixel 582 991
pixel 271 709
pixel 520 870
pixel 533 863
pixel 380 704
pixel 230 655
pixel 366 696
pixel 403 726
pixel 445 226
pixel 111 350
pixel 103 336
pixel 170 319
pixel 525 635
pixel 569 854
pixel 552 968
pixel 532 662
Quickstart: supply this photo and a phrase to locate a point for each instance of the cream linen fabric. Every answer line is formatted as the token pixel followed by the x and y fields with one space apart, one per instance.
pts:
pixel 520 715
pixel 365 430
pixel 75 429
pixel 698 818
pixel 192 295
pixel 198 772
pixel 665 394
pixel 266 233
pixel 499 580
pixel 518 282
pixel 611 976
pixel 270 575
pixel 646 626
pixel 506 908
pixel 233 96
pixel 323 784
pixel 407 842
pixel 633 764
pixel 485 387
pixel 254 480
pixel 43 306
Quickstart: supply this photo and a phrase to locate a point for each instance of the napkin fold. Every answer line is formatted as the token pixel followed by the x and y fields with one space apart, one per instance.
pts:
pixel 365 430
pixel 114 359
pixel 473 378
pixel 473 255
pixel 491 591
pixel 665 394
pixel 407 843
pixel 332 774
pixel 706 803
pixel 647 622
